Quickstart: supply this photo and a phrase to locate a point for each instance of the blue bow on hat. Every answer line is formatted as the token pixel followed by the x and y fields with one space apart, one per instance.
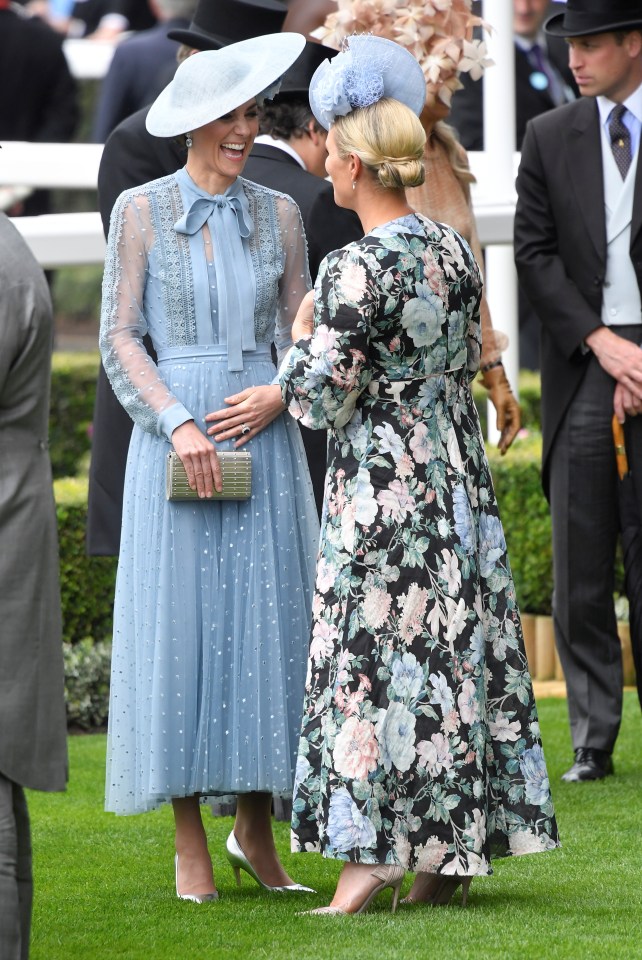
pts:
pixel 230 226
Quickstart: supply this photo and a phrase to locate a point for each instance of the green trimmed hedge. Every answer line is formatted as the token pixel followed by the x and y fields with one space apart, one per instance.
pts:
pixel 87 592
pixel 526 520
pixel 73 389
pixel 87 666
pixel 86 583
pixel 529 399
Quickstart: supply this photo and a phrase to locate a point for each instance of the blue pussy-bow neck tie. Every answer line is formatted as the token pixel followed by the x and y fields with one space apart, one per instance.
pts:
pixel 229 223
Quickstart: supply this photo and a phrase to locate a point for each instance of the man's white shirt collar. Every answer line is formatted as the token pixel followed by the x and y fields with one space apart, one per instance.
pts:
pixel 269 141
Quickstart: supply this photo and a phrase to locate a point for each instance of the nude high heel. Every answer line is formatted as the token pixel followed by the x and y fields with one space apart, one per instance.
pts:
pixel 388 875
pixel 439 890
pixel 238 861
pixel 194 897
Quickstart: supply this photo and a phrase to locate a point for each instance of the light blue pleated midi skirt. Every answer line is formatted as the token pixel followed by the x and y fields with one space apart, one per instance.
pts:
pixel 212 611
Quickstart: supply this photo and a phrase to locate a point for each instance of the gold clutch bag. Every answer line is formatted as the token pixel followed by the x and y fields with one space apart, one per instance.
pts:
pixel 236 467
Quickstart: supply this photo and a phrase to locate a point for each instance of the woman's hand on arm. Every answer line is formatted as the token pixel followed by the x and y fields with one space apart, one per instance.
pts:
pixel 255 408
pixel 199 458
pixel 303 325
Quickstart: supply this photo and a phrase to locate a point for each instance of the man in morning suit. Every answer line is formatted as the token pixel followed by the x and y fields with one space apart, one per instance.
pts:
pixel 33 726
pixel 578 248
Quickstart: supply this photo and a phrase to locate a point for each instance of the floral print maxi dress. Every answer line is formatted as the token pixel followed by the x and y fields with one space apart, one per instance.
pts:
pixel 420 742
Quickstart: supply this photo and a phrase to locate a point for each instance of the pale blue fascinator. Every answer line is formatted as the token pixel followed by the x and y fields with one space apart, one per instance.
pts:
pixel 367 69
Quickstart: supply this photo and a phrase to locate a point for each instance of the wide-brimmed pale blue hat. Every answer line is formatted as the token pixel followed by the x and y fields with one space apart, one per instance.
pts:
pixel 367 69
pixel 211 83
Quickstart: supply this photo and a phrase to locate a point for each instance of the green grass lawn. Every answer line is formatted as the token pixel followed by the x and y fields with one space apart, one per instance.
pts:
pixel 104 884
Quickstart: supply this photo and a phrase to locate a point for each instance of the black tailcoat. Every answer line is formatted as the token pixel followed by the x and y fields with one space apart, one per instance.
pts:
pixel 560 246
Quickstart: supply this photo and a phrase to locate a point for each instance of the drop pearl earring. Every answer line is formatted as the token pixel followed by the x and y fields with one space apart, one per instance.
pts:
pixel 188 141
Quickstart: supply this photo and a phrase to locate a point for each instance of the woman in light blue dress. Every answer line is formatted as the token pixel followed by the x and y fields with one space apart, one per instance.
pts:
pixel 213 598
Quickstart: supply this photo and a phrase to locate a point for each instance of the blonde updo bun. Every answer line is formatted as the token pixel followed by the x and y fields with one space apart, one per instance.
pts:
pixel 389 140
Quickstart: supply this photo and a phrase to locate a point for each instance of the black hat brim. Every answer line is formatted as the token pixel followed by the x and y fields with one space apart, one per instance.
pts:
pixel 220 24
pixel 555 27
pixel 198 40
pixel 298 77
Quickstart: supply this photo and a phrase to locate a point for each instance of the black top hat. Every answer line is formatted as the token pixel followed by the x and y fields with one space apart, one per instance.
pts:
pixel 217 23
pixel 297 79
pixel 584 17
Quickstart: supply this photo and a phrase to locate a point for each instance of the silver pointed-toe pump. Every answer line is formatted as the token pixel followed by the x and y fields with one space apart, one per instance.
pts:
pixel 194 897
pixel 238 861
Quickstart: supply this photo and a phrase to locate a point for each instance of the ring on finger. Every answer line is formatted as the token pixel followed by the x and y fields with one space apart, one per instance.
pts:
pixel 245 429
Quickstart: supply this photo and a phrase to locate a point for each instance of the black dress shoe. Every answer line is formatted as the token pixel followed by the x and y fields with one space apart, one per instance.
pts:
pixel 589 764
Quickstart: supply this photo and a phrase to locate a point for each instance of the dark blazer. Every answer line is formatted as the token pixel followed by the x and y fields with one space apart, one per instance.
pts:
pixel 560 246
pixel 39 97
pixel 467 115
pixel 141 66
pixel 327 226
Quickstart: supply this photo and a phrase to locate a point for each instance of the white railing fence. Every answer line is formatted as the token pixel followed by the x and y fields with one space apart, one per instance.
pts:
pixel 65 239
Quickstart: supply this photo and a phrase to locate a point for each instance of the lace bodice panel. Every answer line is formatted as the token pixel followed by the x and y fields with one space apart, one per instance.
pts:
pixel 156 282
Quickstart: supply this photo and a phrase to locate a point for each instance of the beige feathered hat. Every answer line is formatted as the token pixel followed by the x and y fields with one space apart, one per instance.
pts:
pixel 439 33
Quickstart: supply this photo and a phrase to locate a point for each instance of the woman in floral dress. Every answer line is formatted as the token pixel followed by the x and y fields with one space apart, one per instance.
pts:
pixel 420 745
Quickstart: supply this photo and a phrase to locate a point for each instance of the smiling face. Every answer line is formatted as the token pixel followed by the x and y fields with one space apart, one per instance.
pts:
pixel 223 145
pixel 604 67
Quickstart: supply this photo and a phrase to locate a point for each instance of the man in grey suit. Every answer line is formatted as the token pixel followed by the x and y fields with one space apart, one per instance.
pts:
pixel 33 745
pixel 578 248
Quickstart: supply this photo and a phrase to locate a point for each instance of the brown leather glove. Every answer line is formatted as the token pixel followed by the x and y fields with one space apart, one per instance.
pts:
pixel 509 416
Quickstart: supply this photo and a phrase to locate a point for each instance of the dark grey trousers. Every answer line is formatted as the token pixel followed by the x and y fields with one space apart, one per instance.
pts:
pixel 16 886
pixel 584 510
